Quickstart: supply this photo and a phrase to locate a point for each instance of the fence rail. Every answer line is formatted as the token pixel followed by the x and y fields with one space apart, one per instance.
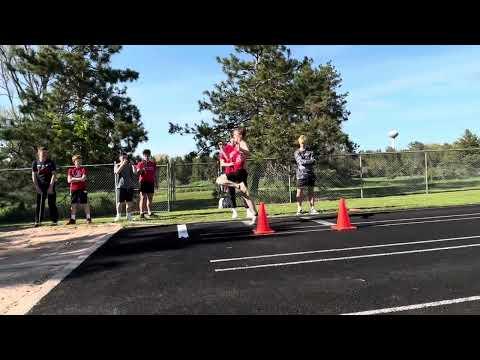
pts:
pixel 192 186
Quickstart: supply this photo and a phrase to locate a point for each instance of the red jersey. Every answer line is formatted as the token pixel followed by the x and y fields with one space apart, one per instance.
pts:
pixel 225 155
pixel 148 169
pixel 75 172
pixel 238 159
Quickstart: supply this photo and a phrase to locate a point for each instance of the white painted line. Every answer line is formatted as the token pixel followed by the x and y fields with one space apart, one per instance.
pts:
pixel 346 249
pixel 323 222
pixel 278 233
pixel 428 221
pixel 359 223
pixel 182 231
pixel 26 303
pixel 417 218
pixel 416 306
pixel 233 234
pixel 346 258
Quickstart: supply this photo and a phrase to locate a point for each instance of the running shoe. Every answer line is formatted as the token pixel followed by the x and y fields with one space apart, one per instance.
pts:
pixel 71 222
pixel 300 212
pixel 89 221
pixel 142 216
pixel 313 211
pixel 117 218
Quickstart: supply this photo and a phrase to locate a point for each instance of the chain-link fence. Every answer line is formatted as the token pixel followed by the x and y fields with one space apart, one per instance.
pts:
pixel 17 194
pixel 192 186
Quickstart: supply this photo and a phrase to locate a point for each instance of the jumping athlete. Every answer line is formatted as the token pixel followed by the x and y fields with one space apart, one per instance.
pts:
pixel 238 178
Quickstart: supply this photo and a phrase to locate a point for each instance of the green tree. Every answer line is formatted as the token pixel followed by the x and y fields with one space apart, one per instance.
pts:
pixel 276 98
pixel 70 98
pixel 468 140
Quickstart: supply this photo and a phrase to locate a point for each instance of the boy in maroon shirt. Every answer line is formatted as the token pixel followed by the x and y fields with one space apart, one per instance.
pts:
pixel 77 178
pixel 147 170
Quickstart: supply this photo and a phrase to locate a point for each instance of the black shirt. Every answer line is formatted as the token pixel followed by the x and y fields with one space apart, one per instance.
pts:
pixel 44 171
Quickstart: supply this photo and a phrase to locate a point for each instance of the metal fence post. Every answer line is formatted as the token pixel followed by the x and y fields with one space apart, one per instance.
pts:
pixel 289 183
pixel 115 179
pixel 361 177
pixel 426 172
pixel 168 185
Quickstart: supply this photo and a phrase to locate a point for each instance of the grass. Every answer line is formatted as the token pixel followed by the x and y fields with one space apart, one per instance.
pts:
pixel 388 203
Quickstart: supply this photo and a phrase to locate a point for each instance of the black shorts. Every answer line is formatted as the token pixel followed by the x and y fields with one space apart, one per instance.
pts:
pixel 309 181
pixel 79 197
pixel 238 176
pixel 147 187
pixel 126 195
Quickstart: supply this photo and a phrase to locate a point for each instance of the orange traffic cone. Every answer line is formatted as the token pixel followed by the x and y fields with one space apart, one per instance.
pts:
pixel 263 227
pixel 343 221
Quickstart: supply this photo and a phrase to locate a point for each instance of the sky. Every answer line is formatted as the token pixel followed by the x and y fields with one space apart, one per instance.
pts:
pixel 427 93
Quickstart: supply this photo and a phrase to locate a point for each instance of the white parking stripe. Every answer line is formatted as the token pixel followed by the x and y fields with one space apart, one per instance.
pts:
pixel 346 249
pixel 345 258
pixel 416 306
pixel 182 231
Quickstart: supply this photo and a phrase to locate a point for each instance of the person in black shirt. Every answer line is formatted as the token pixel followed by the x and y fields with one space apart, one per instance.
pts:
pixel 43 177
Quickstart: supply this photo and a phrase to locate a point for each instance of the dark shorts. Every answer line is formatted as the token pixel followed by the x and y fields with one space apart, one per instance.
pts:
pixel 125 195
pixel 238 176
pixel 309 181
pixel 79 197
pixel 147 187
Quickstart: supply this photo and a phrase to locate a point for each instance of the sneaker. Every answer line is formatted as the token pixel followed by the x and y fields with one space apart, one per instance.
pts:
pixel 142 216
pixel 54 223
pixel 234 214
pixel 89 221
pixel 151 214
pixel 36 225
pixel 71 222
pixel 313 211
pixel 300 212
pixel 117 218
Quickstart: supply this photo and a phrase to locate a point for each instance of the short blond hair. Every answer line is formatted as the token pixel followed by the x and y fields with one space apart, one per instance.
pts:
pixel 76 157
pixel 302 139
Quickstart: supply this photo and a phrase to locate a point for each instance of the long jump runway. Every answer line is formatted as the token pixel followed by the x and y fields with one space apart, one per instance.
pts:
pixel 411 262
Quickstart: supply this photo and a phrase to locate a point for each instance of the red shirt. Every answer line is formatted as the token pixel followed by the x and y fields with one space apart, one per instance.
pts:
pixel 238 159
pixel 149 168
pixel 225 155
pixel 75 172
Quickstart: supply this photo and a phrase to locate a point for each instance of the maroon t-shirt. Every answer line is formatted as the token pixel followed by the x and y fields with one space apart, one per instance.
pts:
pixel 75 172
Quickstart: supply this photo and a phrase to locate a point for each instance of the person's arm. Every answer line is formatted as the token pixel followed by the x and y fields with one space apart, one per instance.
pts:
pixel 243 147
pixel 34 177
pixel 53 179
pixel 225 164
pixel 120 166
